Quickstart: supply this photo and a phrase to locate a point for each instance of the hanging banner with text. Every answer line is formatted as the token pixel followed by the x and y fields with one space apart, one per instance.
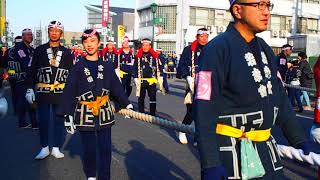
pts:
pixel 105 12
pixel 121 32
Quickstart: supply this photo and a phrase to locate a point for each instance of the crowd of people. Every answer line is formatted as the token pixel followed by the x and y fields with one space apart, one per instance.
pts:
pixel 234 94
pixel 296 72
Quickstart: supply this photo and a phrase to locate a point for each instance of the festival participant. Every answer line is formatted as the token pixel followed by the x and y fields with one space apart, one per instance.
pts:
pixel 239 99
pixel 48 73
pixel 22 58
pixel 125 65
pixel 90 88
pixel 147 74
pixel 187 68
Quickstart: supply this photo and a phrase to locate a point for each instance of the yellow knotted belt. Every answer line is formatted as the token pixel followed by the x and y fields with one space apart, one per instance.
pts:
pixel 122 73
pixel 256 135
pixel 11 72
pixel 251 165
pixel 150 81
pixel 55 85
pixel 96 105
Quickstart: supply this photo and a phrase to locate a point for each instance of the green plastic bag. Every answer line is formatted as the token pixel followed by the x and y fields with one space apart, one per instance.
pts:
pixel 251 166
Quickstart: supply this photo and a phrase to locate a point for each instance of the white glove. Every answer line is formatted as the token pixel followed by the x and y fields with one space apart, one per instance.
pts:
pixel 315 133
pixel 30 96
pixel 136 81
pixel 190 81
pixel 68 123
pixel 129 107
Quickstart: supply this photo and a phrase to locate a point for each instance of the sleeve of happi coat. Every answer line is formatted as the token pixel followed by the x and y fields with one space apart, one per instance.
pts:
pixel 117 92
pixel 206 108
pixel 135 67
pixel 32 71
pixel 69 97
pixel 183 69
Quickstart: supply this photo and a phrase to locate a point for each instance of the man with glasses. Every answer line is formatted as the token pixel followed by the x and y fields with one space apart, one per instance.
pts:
pixel 48 73
pixel 239 99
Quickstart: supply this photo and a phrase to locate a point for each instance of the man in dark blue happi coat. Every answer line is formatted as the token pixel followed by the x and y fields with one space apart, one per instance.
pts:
pixel 238 99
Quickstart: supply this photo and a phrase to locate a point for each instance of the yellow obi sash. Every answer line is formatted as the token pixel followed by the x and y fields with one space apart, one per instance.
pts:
pixel 96 105
pixel 251 165
pixel 11 72
pixel 122 73
pixel 150 81
pixel 55 85
pixel 256 135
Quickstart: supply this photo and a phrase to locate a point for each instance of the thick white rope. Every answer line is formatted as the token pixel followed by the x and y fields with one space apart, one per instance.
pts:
pixel 284 151
pixel 297 154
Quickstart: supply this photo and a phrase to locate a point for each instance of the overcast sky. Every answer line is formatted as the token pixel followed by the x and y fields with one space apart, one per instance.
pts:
pixel 71 13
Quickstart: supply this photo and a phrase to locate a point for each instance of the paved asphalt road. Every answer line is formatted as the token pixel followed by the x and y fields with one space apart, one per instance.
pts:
pixel 140 151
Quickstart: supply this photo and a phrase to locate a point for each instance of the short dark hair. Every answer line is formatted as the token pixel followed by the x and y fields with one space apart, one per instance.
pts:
pixel 286 46
pixel 89 31
pixel 146 39
pixel 303 55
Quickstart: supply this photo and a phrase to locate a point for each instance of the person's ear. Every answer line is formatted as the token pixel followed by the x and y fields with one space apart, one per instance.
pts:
pixel 236 9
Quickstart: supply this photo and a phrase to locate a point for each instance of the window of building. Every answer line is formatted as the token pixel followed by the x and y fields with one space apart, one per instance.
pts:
pixel 307 25
pixel 311 1
pixel 312 24
pixel 278 23
pixel 167 19
pixel 145 16
pixel 201 16
pixel 167 47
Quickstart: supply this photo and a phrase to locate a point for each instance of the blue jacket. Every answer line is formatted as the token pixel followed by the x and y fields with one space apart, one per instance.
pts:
pixel 237 85
pixel 42 72
pixel 185 63
pixel 80 87
pixel 22 59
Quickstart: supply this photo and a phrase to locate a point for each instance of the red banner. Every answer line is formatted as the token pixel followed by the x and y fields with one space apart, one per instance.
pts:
pixel 105 12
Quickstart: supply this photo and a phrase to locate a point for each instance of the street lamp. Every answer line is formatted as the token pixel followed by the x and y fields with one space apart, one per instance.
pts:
pixel 154 7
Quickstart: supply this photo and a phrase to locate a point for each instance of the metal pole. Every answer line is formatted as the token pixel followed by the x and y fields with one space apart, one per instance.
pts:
pixel 153 14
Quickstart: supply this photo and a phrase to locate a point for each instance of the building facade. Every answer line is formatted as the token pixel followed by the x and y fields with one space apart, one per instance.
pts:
pixel 123 17
pixel 3 17
pixel 176 21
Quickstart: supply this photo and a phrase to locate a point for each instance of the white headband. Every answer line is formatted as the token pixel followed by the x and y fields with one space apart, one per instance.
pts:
pixel 55 24
pixel 146 41
pixel 200 32
pixel 27 30
pixel 91 34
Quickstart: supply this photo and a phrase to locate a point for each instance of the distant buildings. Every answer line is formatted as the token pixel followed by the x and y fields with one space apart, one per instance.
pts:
pixel 176 21
pixel 3 17
pixel 118 17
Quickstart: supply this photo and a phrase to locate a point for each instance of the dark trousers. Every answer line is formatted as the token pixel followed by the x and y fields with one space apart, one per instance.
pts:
pixel 50 123
pixel 171 69
pixel 152 93
pixel 22 107
pixel 294 94
pixel 126 83
pixel 91 140
pixel 188 117
pixel 165 83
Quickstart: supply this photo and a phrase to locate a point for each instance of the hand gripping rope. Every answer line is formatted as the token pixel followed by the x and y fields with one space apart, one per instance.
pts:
pixel 284 151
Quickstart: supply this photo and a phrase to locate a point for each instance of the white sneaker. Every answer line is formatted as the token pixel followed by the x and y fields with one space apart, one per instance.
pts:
pixel 56 153
pixel 183 138
pixel 91 178
pixel 43 153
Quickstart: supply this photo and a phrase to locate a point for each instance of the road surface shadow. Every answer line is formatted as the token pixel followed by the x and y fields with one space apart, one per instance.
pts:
pixel 145 164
